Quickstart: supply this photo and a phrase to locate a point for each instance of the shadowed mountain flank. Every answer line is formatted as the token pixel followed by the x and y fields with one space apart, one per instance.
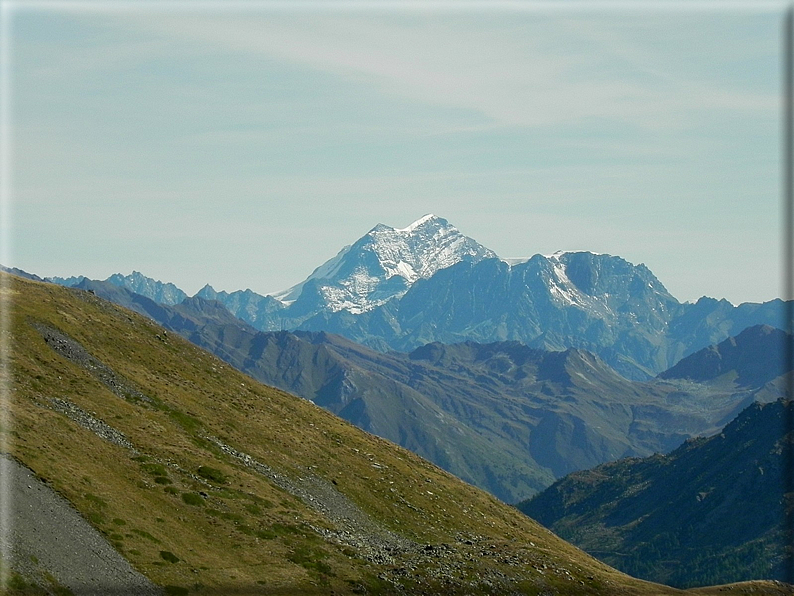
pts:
pixel 751 359
pixel 712 511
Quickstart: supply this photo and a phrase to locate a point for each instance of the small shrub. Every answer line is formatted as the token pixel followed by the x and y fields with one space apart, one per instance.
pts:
pixel 283 529
pixel 162 480
pixel 94 500
pixel 96 518
pixel 253 508
pixel 212 474
pixel 175 591
pixel 171 490
pixel 187 422
pixel 192 499
pixel 311 560
pixel 146 535
pixel 155 469
pixel 167 555
pixel 56 588
pixel 17 582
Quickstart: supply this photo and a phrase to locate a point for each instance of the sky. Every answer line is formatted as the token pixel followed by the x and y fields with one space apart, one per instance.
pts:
pixel 244 144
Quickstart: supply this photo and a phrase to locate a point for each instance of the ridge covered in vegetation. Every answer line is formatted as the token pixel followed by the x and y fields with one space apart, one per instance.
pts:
pixel 211 483
pixel 714 510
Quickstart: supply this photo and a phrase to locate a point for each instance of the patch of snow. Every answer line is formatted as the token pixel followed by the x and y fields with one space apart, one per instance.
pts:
pixel 417 223
pixel 514 260
pixel 405 270
pixel 561 253
pixel 562 287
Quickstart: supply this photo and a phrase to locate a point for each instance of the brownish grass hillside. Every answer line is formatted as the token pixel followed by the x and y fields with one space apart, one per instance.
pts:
pixel 211 483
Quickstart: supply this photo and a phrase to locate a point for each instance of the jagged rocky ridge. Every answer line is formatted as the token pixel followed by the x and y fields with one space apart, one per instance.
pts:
pixel 397 289
pixel 162 293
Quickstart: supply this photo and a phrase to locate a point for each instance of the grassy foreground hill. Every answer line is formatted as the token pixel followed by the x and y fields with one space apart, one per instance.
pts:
pixel 211 483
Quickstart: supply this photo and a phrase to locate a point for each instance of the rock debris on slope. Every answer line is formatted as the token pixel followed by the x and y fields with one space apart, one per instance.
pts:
pixel 43 534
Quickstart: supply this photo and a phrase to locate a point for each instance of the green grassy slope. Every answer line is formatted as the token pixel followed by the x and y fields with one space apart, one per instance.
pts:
pixel 211 483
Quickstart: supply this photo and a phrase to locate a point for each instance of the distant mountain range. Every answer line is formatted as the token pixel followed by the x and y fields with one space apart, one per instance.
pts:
pixel 713 511
pixel 512 374
pixel 163 293
pixel 503 416
pixel 398 289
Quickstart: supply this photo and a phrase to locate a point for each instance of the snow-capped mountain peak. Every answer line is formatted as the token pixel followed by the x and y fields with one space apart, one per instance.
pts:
pixel 423 220
pixel 386 261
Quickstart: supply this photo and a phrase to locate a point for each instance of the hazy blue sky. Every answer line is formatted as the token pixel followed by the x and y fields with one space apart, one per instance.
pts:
pixel 244 145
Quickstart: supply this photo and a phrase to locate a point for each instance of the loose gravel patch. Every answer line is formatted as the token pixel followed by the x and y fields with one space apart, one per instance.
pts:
pixel 43 534
pixel 73 351
pixel 86 420
pixel 354 527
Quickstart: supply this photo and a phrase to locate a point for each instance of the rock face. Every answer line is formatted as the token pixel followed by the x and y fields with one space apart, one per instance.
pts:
pixel 600 303
pixel 164 293
pixel 712 511
pixel 247 305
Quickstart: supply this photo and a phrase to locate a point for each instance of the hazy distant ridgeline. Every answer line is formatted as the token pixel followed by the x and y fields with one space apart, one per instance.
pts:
pixel 398 289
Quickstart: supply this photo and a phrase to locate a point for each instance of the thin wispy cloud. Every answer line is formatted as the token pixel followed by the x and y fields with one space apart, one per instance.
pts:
pixel 513 75
pixel 531 130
